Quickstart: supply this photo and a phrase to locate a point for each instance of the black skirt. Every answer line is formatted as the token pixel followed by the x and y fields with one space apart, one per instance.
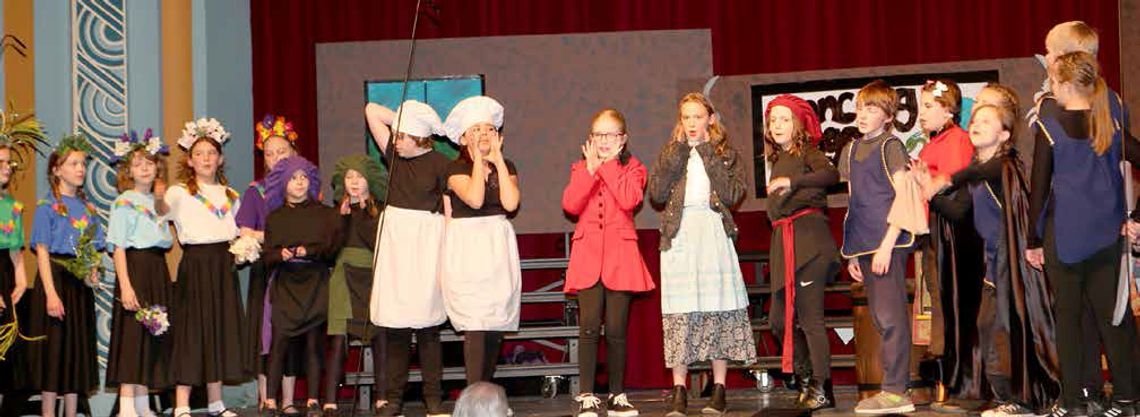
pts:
pixel 136 356
pixel 206 317
pixel 64 363
pixel 10 371
pixel 254 308
pixel 359 282
pixel 300 297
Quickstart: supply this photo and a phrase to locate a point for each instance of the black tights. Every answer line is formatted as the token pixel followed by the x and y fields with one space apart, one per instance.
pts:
pixel 335 367
pixel 481 354
pixel 314 351
pixel 591 302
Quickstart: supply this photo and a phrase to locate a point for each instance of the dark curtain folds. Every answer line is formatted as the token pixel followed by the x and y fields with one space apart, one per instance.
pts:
pixel 748 37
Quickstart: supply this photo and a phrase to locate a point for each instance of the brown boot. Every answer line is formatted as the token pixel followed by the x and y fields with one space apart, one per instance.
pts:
pixel 679 402
pixel 716 404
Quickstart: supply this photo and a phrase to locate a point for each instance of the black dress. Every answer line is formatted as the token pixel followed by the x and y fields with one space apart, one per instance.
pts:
pixel 299 292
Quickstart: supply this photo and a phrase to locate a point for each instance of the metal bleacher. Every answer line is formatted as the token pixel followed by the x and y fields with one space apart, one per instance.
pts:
pixel 552 372
pixel 568 369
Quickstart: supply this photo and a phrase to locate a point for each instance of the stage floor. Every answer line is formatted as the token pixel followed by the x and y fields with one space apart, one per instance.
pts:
pixel 742 403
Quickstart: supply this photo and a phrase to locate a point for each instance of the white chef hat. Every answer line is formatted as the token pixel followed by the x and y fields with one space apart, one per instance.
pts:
pixel 418 120
pixel 470 112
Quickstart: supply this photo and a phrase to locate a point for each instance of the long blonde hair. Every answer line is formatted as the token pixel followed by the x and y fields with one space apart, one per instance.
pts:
pixel 718 138
pixel 1081 69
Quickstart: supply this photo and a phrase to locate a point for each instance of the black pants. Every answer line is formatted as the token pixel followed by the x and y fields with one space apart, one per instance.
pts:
pixel 591 303
pixel 398 362
pixel 993 339
pixel 314 339
pixel 335 366
pixel 887 300
pixel 481 354
pixel 1094 278
pixel 811 348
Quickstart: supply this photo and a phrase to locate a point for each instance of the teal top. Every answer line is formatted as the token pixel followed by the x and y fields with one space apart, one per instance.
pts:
pixel 134 223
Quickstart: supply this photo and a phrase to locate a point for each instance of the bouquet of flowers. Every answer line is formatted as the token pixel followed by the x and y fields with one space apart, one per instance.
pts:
pixel 86 259
pixel 154 318
pixel 246 249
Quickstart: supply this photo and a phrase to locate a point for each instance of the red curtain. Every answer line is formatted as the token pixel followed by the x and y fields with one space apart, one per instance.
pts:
pixel 748 37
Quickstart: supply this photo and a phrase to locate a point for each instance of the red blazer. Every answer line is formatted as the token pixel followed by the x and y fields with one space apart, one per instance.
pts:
pixel 605 241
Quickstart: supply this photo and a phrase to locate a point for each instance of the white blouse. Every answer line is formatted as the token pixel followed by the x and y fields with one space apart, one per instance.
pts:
pixel 201 222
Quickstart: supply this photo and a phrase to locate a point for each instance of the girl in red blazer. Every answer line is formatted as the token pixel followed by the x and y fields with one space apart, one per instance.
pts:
pixel 605 264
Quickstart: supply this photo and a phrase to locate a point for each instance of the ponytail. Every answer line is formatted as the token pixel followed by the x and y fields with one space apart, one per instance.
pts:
pixel 1100 118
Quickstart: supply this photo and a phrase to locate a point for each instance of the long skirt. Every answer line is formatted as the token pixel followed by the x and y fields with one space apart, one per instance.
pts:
pixel 65 362
pixel 206 318
pixel 136 356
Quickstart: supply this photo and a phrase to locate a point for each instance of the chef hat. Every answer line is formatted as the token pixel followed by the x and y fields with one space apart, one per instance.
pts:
pixel 418 120
pixel 470 112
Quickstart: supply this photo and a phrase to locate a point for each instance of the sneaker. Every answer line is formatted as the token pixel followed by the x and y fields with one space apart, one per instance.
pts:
pixel 619 406
pixel 589 405
pixel 716 404
pixel 1060 411
pixel 885 403
pixel 1119 409
pixel 1009 409
pixel 678 402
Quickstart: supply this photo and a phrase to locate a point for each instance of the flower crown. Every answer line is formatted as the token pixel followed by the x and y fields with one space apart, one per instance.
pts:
pixel 76 142
pixel 129 143
pixel 274 126
pixel 202 128
pixel 939 88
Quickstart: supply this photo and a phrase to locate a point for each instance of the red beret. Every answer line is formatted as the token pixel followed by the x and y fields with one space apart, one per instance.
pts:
pixel 802 110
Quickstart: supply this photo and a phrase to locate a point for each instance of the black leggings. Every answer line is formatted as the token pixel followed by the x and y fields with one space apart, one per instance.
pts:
pixel 398 361
pixel 591 302
pixel 314 351
pixel 481 354
pixel 1095 278
pixel 335 366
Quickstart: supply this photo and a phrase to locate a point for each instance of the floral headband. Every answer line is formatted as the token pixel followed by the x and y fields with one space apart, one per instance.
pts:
pixel 129 143
pixel 272 126
pixel 203 128
pixel 72 143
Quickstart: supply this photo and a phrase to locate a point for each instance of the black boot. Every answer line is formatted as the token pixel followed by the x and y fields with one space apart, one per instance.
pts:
pixel 1094 401
pixel 716 404
pixel 679 402
pixel 818 395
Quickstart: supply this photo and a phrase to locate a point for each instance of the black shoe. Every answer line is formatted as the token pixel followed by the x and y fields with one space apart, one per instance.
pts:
pixel 1093 400
pixel 589 405
pixel 1060 411
pixel 679 402
pixel 1119 409
pixel 716 404
pixel 224 413
pixel 389 410
pixel 817 396
pixel 435 409
pixel 619 406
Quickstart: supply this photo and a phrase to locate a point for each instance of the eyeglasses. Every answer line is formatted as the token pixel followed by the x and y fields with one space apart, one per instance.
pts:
pixel 606 135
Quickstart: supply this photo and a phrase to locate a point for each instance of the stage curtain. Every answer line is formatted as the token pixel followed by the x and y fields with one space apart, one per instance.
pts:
pixel 748 37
